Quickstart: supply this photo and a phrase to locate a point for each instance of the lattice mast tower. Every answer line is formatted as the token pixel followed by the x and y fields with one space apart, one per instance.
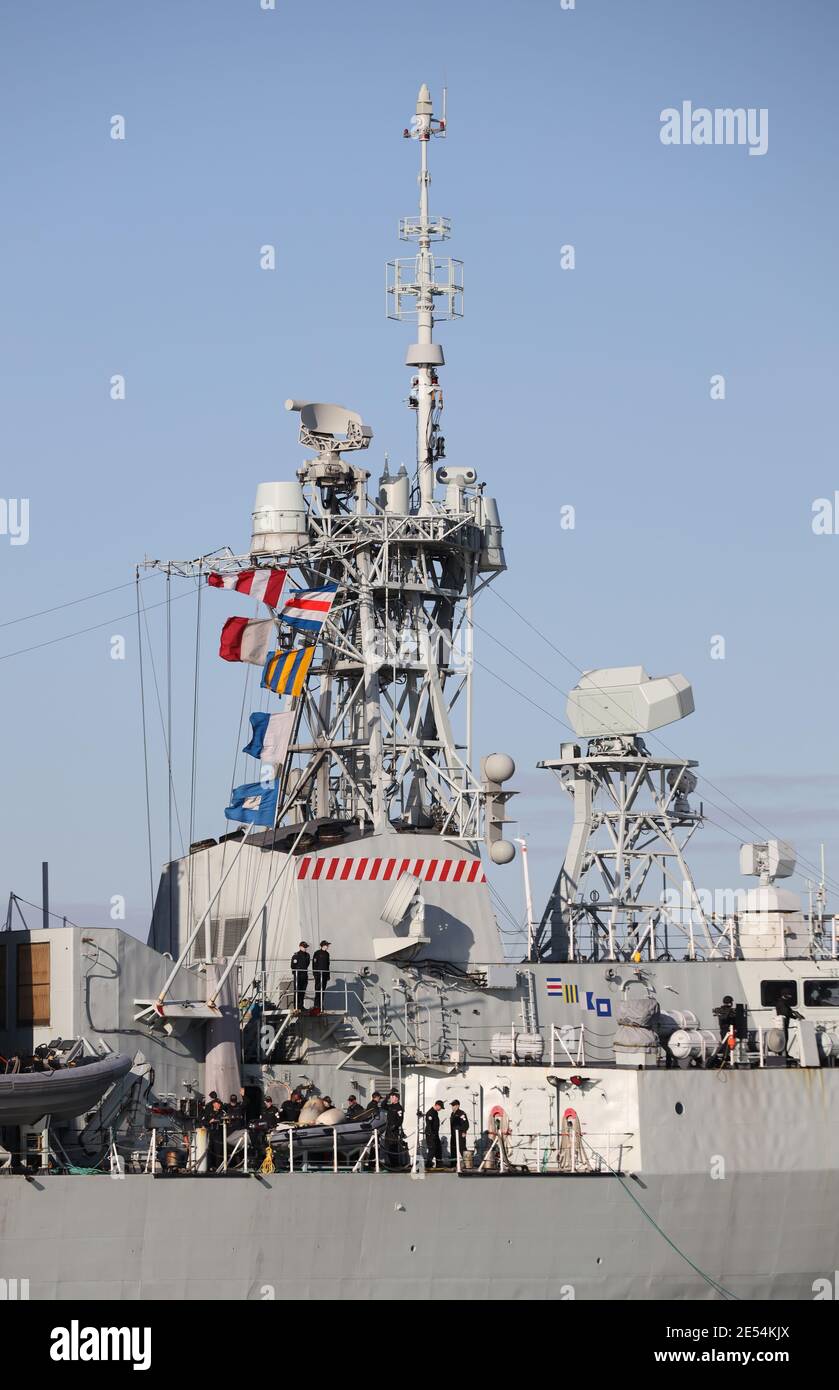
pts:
pixel 625 889
pixel 384 733
pixel 378 741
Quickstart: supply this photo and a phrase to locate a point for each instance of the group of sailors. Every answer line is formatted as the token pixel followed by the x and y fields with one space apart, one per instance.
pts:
pixel 321 967
pixel 218 1117
pixel 733 1023
pixel 395 1143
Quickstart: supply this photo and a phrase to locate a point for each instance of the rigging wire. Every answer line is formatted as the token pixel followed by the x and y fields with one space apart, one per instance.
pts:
pixel 145 744
pixel 754 820
pixel 565 693
pixel 194 769
pixel 725 1293
pixel 169 874
pixel 95 627
pixel 10 622
pixel 145 612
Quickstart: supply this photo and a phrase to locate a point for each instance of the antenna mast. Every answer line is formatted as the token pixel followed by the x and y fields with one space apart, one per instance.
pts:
pixel 383 737
pixel 422 279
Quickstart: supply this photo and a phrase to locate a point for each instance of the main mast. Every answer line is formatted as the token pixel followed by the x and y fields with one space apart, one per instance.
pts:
pixel 383 733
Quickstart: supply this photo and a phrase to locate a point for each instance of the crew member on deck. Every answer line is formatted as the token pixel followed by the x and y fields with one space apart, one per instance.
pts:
pixel 290 1109
pixel 394 1115
pixel 320 970
pixel 785 1011
pixel 215 1120
pixel 300 975
pixel 270 1115
pixel 433 1147
pixel 353 1109
pixel 726 1013
pixel 459 1125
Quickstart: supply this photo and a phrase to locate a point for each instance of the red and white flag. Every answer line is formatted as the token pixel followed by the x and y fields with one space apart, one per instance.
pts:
pixel 247 639
pixel 265 584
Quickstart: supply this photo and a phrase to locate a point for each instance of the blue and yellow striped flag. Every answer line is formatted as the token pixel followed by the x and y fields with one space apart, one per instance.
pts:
pixel 285 672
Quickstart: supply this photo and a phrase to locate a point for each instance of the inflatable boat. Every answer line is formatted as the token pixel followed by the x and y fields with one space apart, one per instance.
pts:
pixel 63 1092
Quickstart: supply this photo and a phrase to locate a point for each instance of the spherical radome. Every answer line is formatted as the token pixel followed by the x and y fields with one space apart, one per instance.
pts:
pixel 502 852
pixel 499 767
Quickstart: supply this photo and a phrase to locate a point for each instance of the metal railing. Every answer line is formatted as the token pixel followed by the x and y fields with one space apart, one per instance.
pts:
pixel 498 1155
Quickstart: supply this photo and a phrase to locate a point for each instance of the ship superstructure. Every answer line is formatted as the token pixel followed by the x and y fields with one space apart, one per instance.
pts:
pixel 598 1060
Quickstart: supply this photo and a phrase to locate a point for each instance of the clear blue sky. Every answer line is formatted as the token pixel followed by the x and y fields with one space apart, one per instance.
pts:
pixel 589 388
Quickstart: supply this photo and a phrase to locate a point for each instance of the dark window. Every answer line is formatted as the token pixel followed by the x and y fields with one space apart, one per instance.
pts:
pixel 821 994
pixel 2 986
pixel 771 991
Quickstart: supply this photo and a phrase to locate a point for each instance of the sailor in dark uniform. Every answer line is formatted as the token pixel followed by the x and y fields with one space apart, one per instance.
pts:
pixel 459 1125
pixel 726 1013
pixel 374 1106
pixel 270 1115
pixel 394 1115
pixel 353 1109
pixel 290 1109
pixel 433 1147
pixel 300 974
pixel 235 1113
pixel 215 1120
pixel 785 1012
pixel 320 969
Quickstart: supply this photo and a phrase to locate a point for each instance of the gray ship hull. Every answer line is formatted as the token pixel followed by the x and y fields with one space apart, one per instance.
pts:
pixel 391 1237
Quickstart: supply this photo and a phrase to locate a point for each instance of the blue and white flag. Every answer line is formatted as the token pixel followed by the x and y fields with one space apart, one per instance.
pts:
pixel 254 803
pixel 308 608
pixel 270 737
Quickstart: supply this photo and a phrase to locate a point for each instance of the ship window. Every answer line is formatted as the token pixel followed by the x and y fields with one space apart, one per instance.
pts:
pixel 771 991
pixel 821 994
pixel 2 986
pixel 33 983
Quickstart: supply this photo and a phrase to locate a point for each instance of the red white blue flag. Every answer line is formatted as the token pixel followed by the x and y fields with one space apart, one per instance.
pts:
pixel 308 608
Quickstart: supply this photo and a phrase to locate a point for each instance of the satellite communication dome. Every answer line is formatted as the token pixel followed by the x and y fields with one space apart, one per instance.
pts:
pixel 624 700
pixel 499 767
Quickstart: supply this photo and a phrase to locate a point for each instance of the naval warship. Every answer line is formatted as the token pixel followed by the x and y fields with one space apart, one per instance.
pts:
pixel 649 1086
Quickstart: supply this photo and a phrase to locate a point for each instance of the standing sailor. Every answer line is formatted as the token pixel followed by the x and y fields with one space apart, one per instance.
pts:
pixel 726 1013
pixel 300 975
pixel 270 1115
pixel 459 1125
pixel 394 1115
pixel 215 1121
pixel 320 968
pixel 433 1147
pixel 785 1011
